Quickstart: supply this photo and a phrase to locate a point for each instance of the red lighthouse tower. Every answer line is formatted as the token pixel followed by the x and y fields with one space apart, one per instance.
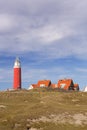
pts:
pixel 17 74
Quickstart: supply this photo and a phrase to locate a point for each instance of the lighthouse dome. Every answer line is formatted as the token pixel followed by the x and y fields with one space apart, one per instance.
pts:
pixel 17 63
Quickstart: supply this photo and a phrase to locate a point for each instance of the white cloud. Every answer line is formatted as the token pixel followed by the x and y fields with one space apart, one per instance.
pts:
pixel 52 33
pixel 6 23
pixel 55 28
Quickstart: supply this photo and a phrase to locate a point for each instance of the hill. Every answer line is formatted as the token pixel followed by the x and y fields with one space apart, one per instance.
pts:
pixel 42 109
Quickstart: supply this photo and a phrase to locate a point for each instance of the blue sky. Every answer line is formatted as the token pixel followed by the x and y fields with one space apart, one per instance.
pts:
pixel 49 36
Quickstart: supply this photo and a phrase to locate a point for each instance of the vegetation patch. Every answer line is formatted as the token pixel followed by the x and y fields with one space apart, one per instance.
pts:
pixel 43 109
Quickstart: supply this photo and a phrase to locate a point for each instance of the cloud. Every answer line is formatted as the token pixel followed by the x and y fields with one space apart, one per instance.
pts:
pixel 6 23
pixel 51 33
pixel 53 28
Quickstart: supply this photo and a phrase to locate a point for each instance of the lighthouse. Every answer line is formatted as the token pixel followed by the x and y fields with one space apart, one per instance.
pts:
pixel 17 74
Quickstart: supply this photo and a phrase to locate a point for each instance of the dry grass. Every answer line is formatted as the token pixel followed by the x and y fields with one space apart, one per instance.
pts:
pixel 42 109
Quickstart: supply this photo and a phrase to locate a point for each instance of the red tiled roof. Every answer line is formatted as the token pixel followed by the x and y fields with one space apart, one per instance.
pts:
pixel 44 83
pixel 65 84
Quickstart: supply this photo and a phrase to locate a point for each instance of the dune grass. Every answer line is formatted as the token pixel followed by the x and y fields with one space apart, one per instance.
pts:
pixel 22 110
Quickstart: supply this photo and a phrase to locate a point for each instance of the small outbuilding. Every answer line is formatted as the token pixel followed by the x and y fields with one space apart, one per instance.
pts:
pixel 32 86
pixel 85 90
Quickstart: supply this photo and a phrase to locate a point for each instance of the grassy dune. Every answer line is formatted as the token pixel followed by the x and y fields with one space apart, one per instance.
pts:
pixel 41 109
